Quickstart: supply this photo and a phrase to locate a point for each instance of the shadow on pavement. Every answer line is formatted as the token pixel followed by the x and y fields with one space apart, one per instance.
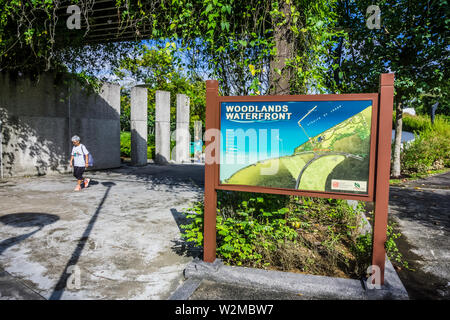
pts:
pixel 174 177
pixel 62 282
pixel 424 206
pixel 182 247
pixel 25 220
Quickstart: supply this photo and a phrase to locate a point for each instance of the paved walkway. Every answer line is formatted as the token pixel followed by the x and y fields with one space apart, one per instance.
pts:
pixel 118 239
pixel 422 210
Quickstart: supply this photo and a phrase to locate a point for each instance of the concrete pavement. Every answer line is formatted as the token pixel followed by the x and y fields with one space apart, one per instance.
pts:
pixel 118 239
pixel 421 208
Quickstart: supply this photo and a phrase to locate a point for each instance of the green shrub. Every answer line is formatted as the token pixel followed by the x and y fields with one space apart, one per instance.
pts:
pixel 150 152
pixel 317 236
pixel 285 233
pixel 125 145
pixel 240 236
pixel 363 247
pixel 429 151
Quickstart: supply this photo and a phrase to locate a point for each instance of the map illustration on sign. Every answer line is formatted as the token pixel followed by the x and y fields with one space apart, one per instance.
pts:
pixel 303 145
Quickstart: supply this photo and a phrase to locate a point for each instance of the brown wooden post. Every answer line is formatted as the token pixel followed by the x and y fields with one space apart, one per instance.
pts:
pixel 209 241
pixel 386 101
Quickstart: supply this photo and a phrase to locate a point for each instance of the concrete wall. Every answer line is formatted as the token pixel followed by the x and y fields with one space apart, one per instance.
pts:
pixel 39 118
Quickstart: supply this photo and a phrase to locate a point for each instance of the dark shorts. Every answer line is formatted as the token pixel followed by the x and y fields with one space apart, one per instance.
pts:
pixel 78 172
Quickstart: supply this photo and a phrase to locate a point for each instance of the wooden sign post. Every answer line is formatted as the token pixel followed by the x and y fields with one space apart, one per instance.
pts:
pixel 377 107
pixel 381 200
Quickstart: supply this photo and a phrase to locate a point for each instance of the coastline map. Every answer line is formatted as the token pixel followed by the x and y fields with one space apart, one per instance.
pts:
pixel 303 145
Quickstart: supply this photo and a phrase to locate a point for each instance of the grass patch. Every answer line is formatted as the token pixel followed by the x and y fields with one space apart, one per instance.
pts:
pixel 416 176
pixel 422 122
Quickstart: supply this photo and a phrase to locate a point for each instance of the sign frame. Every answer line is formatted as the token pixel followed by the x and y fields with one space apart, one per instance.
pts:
pixel 379 163
pixel 308 193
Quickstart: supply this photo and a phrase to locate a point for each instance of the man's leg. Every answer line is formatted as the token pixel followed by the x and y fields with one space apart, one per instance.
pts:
pixel 78 173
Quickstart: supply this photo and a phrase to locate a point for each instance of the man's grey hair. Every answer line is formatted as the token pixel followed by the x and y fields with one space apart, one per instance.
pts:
pixel 75 138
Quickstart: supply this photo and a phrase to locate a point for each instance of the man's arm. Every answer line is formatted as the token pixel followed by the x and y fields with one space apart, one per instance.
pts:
pixel 86 163
pixel 71 161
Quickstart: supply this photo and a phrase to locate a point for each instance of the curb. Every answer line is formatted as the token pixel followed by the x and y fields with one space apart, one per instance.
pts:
pixel 309 286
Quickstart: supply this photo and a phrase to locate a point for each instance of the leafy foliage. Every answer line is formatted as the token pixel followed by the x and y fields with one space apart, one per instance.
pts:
pixel 286 233
pixel 236 42
pixel 318 236
pixel 429 151
pixel 420 123
pixel 160 68
pixel 125 145
pixel 410 43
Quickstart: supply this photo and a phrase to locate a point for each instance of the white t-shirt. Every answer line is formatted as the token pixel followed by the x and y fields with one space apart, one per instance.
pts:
pixel 78 154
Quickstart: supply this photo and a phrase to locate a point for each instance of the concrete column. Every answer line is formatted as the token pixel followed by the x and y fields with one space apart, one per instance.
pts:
pixel 183 140
pixel 110 93
pixel 198 130
pixel 162 127
pixel 198 140
pixel 138 126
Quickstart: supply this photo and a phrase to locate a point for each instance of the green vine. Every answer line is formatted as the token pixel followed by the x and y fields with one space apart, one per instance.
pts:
pixel 233 41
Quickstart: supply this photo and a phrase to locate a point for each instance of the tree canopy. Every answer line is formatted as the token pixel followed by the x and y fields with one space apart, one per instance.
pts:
pixel 247 45
pixel 412 43
pixel 251 47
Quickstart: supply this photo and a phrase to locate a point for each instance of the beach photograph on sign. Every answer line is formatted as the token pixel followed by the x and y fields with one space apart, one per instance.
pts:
pixel 303 145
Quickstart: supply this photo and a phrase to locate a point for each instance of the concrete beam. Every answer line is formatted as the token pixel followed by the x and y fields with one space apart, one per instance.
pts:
pixel 183 140
pixel 162 127
pixel 138 126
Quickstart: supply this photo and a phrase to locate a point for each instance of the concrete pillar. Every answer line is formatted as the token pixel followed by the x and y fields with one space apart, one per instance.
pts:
pixel 198 130
pixel 138 126
pixel 110 93
pixel 182 153
pixel 198 140
pixel 162 127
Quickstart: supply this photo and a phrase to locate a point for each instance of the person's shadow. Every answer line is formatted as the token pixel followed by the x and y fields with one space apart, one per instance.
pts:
pixel 76 254
pixel 25 220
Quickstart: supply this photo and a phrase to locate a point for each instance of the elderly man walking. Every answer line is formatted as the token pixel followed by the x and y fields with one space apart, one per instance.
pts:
pixel 79 160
